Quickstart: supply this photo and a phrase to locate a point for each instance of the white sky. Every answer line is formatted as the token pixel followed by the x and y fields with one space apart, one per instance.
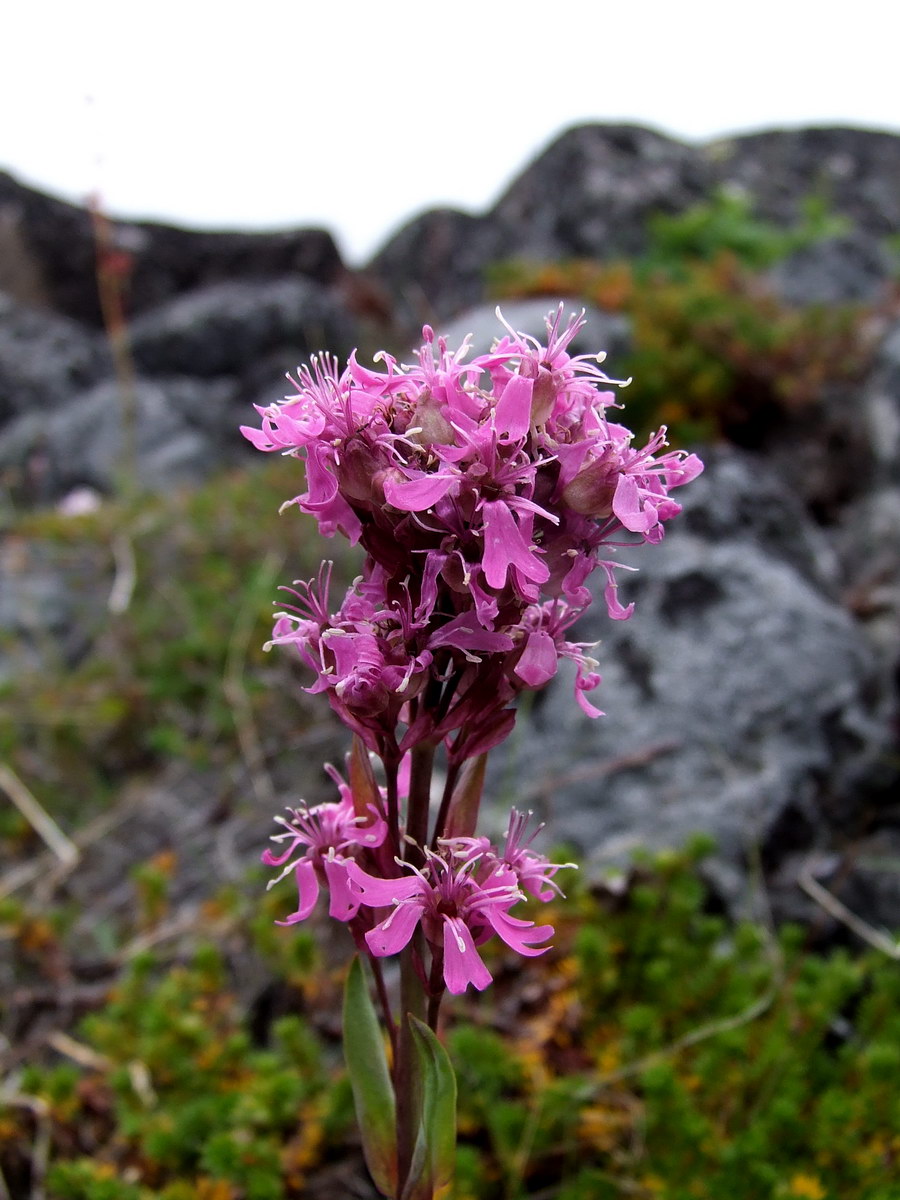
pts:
pixel 358 115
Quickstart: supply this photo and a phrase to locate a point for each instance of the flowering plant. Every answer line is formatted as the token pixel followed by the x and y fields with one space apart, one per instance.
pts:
pixel 484 494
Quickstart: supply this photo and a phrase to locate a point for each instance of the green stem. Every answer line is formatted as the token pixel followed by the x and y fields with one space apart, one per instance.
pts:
pixel 440 824
pixel 384 1001
pixel 407 1085
pixel 419 801
pixel 393 807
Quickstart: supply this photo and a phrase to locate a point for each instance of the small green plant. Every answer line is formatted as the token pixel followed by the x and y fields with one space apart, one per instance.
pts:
pixel 726 223
pixel 715 352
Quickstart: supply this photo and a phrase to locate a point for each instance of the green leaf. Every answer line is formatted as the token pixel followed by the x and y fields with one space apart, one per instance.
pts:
pixel 373 1093
pixel 431 1170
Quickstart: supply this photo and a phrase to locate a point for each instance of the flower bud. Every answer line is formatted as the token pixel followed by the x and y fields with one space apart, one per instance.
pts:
pixel 429 424
pixel 591 492
pixel 361 472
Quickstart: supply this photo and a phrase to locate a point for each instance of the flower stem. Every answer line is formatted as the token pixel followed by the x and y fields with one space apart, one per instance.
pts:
pixel 419 800
pixel 384 1001
pixel 435 987
pixel 453 769
pixel 407 1085
pixel 393 807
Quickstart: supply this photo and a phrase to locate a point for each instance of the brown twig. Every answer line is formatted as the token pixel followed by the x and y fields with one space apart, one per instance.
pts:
pixel 596 769
pixel 40 1154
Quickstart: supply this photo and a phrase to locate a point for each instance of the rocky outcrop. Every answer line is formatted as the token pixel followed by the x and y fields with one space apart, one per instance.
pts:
pixel 590 194
pixel 197 363
pixel 155 434
pixel 49 251
pixel 742 700
pixel 45 359
pixel 754 695
pixel 853 171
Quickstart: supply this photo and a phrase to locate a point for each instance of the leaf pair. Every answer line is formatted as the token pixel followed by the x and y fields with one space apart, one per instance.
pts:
pixel 431 1167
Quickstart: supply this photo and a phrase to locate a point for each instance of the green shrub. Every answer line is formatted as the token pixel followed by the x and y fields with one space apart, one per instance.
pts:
pixel 714 351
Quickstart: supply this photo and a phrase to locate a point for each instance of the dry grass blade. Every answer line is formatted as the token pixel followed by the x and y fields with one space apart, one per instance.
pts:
pixel 38 817
pixel 126 575
pixel 874 937
pixel 233 683
pixel 63 1044
pixel 700 1034
pixel 38 867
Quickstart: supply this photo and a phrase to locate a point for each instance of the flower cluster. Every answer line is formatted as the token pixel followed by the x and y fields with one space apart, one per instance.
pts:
pixel 461 896
pixel 484 493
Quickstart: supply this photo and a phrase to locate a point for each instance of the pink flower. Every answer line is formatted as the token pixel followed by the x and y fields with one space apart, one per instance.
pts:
pixel 532 872
pixel 457 914
pixel 480 492
pixel 321 842
pixel 545 646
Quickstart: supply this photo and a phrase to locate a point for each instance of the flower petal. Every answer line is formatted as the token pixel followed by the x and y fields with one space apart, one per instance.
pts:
pixel 393 933
pixel 417 495
pixel 344 903
pixel 378 893
pixel 462 962
pixel 539 659
pixel 307 889
pixel 626 504
pixel 519 935
pixel 512 416
pixel 505 547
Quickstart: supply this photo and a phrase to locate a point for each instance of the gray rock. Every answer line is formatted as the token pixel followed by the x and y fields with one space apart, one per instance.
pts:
pixel 58 241
pixel 741 702
pixel 591 192
pixel 45 359
pixel 868 546
pixel 179 437
pixel 434 266
pixel 52 603
pixel 614 177
pixel 824 453
pixel 855 171
pixel 852 269
pixel 881 409
pixel 745 496
pixel 231 328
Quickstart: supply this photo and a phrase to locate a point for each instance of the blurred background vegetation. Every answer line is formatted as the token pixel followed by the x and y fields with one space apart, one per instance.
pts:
pixel 161 1037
